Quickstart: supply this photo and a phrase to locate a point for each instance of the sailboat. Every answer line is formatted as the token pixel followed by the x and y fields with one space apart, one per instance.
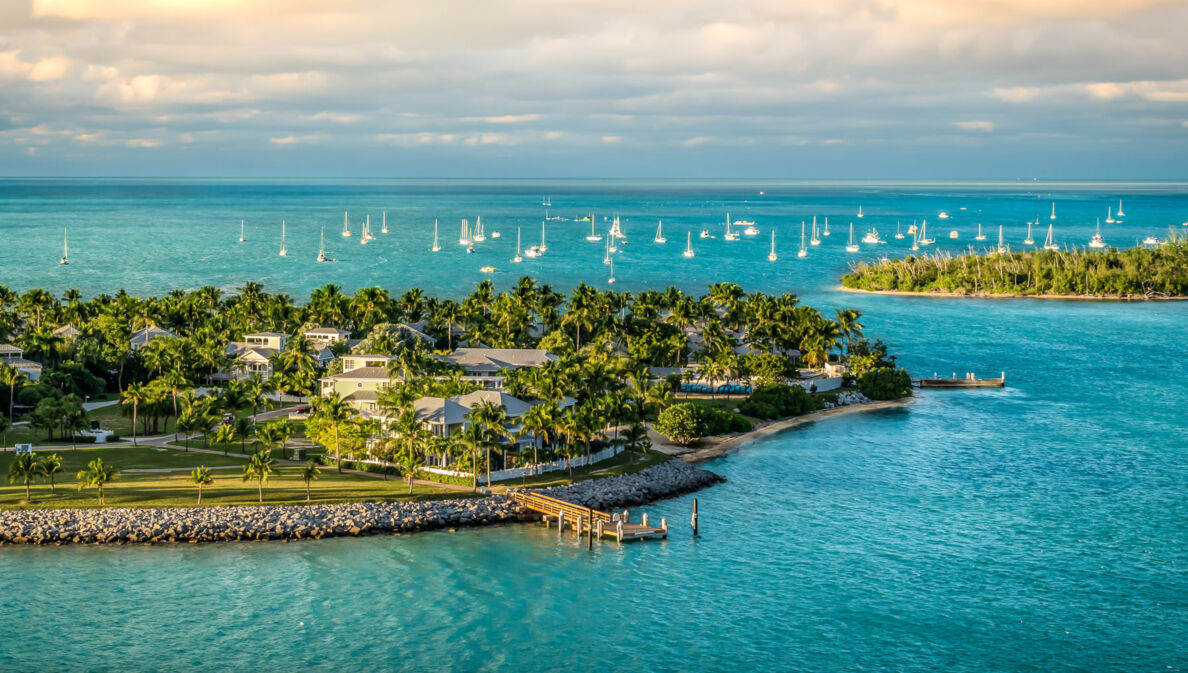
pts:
pixel 1151 240
pixel 365 234
pixel 346 225
pixel 1053 215
pixel 284 252
pixel 1049 241
pixel 322 249
pixel 912 229
pixel 543 248
pixel 464 237
pixel 659 233
pixel 593 236
pixel 803 252
pixel 814 240
pixel 915 237
pixel 384 225
pixel 705 233
pixel 1120 213
pixel 517 259
pixel 546 201
pixel 826 232
pixel 65 250
pixel 982 237
pixel 923 239
pixel 1097 241
pixel 611 280
pixel 479 234
pixel 436 247
pixel 241 238
pixel 606 258
pixel 1002 248
pixel 899 234
pixel 852 246
pixel 688 245
pixel 771 256
pixel 1109 215
pixel 730 236
pixel 1029 240
pixel 860 212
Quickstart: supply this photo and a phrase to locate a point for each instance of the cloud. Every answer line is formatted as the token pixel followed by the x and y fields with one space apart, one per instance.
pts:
pixel 978 126
pixel 336 117
pixel 506 119
pixel 696 142
pixel 141 142
pixel 296 140
pixel 553 135
pixel 612 139
pixel 1016 94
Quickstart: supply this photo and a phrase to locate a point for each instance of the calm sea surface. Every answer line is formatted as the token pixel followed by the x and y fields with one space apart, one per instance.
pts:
pixel 1043 527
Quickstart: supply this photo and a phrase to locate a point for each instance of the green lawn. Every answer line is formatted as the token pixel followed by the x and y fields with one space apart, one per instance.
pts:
pixel 624 463
pixel 172 489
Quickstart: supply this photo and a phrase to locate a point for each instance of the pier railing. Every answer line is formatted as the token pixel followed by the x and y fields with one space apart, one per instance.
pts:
pixel 554 507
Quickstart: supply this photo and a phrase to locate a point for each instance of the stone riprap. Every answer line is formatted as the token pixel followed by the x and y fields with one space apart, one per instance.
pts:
pixel 666 480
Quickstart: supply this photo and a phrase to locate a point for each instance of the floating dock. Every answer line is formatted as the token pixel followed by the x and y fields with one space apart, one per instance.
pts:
pixel 587 521
pixel 970 381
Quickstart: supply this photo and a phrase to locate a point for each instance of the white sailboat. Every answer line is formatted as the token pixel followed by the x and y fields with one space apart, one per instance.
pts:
pixel 771 256
pixel 1002 248
pixel 284 252
pixel 923 238
pixel 611 280
pixel 852 246
pixel 659 238
pixel 1053 215
pixel 688 245
pixel 365 234
pixel 982 237
pixel 1049 241
pixel 915 237
pixel 384 224
pixel 464 237
pixel 1120 213
pixel 1097 241
pixel 606 257
pixel 322 249
pixel 593 236
pixel 730 236
pixel 479 234
pixel 346 225
pixel 517 259
pixel 546 201
pixel 815 239
pixel 803 252
pixel 1029 240
pixel 241 238
pixel 826 232
pixel 1109 214
pixel 860 212
pixel 899 234
pixel 65 249
pixel 616 230
pixel 543 248
pixel 436 247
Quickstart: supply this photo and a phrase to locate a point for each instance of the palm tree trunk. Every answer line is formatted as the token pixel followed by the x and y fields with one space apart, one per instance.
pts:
pixel 307 490
pixel 488 467
pixel 260 487
pixel 410 484
pixel 27 496
pixel 337 455
pixel 134 405
pixel 199 495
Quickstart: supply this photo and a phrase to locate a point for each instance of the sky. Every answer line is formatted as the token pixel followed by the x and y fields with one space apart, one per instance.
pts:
pixel 843 89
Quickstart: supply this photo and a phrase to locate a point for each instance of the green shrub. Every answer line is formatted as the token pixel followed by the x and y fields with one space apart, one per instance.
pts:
pixel 885 383
pixel 778 401
pixel 686 423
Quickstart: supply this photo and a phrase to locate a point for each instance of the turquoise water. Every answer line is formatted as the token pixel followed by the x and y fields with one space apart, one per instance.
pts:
pixel 1041 527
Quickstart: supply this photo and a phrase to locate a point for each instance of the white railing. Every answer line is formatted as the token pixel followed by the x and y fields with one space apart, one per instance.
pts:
pixel 529 470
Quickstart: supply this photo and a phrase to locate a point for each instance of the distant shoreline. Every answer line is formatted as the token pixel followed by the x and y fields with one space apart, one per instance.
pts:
pixel 1003 295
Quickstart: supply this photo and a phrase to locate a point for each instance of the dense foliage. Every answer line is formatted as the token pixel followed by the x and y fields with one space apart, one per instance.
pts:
pixel 685 423
pixel 1136 272
pixel 777 401
pixel 885 383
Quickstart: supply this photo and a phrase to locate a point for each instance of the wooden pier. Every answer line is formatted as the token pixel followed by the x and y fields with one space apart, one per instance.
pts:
pixel 970 381
pixel 587 521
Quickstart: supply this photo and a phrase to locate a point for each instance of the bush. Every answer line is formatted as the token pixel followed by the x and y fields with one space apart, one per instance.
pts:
pixel 885 383
pixel 778 401
pixel 686 423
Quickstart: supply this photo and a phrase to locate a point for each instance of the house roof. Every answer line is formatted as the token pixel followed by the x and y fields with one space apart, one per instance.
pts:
pixel 495 359
pixel 328 331
pixel 67 331
pixel 9 348
pixel 324 354
pixel 440 410
pixel 265 334
pixel 365 373
pixel 146 334
pixel 257 353
pixel 513 406
pixel 362 395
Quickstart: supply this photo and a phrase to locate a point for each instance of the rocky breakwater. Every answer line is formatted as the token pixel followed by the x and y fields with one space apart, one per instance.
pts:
pixel 665 480
pixel 223 524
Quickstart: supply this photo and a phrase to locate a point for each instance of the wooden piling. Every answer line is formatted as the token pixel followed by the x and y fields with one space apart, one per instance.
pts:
pixel 694 521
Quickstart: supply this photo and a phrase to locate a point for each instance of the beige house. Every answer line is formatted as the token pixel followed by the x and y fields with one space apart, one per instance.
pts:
pixel 141 337
pixel 363 379
pixel 482 365
pixel 324 336
pixel 445 416
pixel 14 356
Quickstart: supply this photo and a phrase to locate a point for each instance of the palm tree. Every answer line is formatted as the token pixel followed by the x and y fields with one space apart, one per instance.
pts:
pixel 10 377
pixel 259 467
pixel 255 391
pixel 335 411
pixel 274 434
pixel 134 394
pixel 243 430
pixel 410 461
pixel 309 472
pixel 473 439
pixel 97 474
pixel 848 327
pixel 51 465
pixel 187 423
pixel 224 434
pixel 493 421
pixel 636 437
pixel 201 476
pixel 24 469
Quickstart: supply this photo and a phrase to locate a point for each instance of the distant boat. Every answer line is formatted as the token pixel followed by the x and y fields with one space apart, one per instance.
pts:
pixel 611 280
pixel 660 233
pixel 616 230
pixel 1050 241
pixel 1109 215
pixel 915 237
pixel 688 245
pixel 953 234
pixel 1002 248
pixel 1053 215
pixel 496 234
pixel 826 231
pixel 771 256
pixel 859 212
pixel 1029 240
pixel 241 238
pixel 1120 213
pixel 346 225
pixel 730 236
pixel 803 252
pixel 436 247
pixel 593 236
pixel 479 235
pixel 872 237
pixel 464 237
pixel 1097 241
pixel 606 257
pixel 981 237
pixel 284 252
pixel 365 234
pixel 543 247
pixel 898 233
pixel 705 232
pixel 546 201
pixel 912 229
pixel 1151 240
pixel 815 239
pixel 923 238
pixel 942 215
pixel 65 249
pixel 517 259
pixel 750 229
pixel 322 249
pixel 852 246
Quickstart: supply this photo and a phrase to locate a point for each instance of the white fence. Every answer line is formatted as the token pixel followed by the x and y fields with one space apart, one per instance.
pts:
pixel 527 471
pixel 822 385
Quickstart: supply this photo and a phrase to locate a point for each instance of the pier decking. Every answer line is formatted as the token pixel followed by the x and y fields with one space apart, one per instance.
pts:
pixel 588 521
pixel 970 381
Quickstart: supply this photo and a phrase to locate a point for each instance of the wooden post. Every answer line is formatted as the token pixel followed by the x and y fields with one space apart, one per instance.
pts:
pixel 645 518
pixel 590 533
pixel 619 530
pixel 560 523
pixel 579 527
pixel 545 519
pixel 694 521
pixel 598 527
pixel 664 524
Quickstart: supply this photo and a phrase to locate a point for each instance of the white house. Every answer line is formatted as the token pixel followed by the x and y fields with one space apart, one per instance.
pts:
pixel 482 365
pixel 141 337
pixel 363 379
pixel 14 356
pixel 324 336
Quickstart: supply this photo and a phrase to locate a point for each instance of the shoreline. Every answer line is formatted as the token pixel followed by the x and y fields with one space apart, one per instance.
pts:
pixel 724 445
pixel 941 294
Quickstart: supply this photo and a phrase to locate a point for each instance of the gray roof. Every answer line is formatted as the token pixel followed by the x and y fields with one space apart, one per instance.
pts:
pixel 265 334
pixel 495 359
pixel 371 373
pixel 9 348
pixel 327 330
pixel 513 406
pixel 146 334
pixel 440 410
pixel 362 395
pixel 67 331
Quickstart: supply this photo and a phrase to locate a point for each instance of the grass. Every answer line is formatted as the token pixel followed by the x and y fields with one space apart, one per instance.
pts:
pixel 172 489
pixel 619 464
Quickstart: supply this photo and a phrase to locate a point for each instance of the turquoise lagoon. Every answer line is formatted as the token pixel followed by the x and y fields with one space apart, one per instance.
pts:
pixel 1042 527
